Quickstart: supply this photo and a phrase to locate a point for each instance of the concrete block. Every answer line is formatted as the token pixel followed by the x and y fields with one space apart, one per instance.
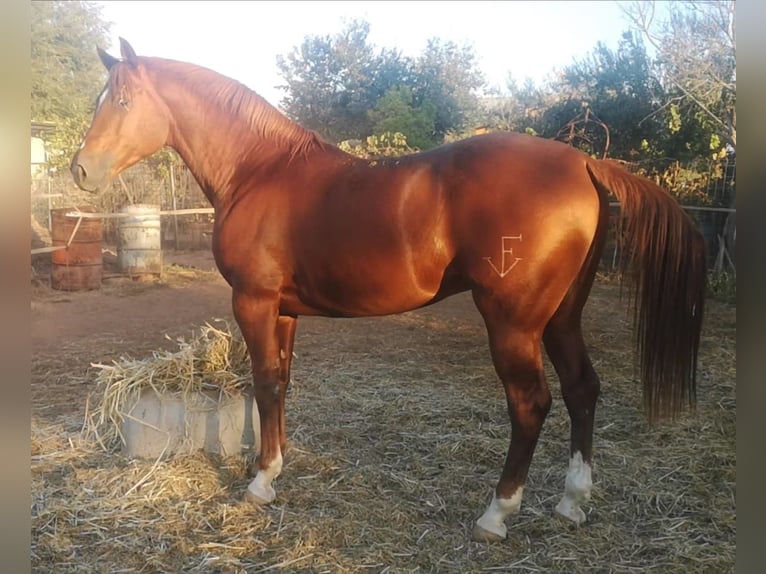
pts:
pixel 166 424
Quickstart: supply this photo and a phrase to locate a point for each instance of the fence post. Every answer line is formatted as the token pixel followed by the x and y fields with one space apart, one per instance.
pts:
pixel 173 193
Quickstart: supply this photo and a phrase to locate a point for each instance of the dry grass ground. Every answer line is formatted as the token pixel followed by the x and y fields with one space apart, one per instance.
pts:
pixel 397 431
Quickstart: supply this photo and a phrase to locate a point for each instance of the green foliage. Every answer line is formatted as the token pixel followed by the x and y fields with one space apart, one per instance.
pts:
pixel 384 145
pixel 66 70
pixel 607 102
pixel 517 110
pixel 63 142
pixel 688 182
pixel 696 63
pixel 397 112
pixel 722 286
pixel 674 119
pixel 160 161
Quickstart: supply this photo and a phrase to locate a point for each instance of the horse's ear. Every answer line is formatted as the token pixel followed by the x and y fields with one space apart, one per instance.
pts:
pixel 106 59
pixel 127 52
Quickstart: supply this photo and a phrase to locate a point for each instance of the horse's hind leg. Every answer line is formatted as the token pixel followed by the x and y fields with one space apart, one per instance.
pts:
pixel 580 389
pixel 517 357
pixel 579 384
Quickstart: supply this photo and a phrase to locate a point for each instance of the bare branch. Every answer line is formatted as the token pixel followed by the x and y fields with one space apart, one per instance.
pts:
pixel 696 53
pixel 667 104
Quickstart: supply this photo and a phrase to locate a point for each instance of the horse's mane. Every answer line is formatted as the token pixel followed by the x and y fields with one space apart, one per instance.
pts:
pixel 242 103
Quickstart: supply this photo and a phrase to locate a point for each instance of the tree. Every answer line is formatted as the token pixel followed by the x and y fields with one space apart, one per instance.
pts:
pixel 66 70
pixel 696 57
pixel 610 100
pixel 333 81
pixel 396 112
pixel 602 104
pixel 447 76
pixel 515 110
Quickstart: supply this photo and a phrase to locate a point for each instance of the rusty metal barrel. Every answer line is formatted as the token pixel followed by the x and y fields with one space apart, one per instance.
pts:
pixel 139 246
pixel 79 266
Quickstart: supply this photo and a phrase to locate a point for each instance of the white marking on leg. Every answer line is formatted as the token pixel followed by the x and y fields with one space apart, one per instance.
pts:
pixel 577 486
pixel 493 519
pixel 261 487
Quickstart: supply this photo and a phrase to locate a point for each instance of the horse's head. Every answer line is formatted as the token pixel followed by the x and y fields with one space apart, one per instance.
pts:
pixel 130 123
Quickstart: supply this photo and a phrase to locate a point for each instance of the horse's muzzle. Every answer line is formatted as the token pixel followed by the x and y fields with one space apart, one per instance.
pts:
pixel 88 175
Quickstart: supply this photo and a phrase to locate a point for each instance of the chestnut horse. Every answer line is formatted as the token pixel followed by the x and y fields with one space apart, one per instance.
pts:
pixel 303 228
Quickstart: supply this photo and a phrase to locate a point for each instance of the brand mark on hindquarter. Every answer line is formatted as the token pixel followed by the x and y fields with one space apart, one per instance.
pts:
pixel 507 261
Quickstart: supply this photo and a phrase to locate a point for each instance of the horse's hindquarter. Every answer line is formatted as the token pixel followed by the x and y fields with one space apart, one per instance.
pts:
pixel 524 214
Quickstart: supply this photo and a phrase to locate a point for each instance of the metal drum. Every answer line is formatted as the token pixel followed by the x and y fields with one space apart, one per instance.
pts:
pixel 80 266
pixel 139 246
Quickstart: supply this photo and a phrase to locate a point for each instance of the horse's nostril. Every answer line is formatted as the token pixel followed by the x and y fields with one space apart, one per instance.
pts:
pixel 81 171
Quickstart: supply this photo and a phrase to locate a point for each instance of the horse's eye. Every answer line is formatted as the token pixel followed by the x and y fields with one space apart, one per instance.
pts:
pixel 124 101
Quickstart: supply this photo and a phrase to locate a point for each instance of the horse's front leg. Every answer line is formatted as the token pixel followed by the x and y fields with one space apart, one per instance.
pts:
pixel 286 335
pixel 258 318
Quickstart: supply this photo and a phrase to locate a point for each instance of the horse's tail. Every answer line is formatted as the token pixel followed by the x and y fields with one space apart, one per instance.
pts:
pixel 664 257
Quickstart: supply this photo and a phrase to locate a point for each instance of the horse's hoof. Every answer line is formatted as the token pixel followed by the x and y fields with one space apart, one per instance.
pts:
pixel 260 498
pixel 480 534
pixel 571 511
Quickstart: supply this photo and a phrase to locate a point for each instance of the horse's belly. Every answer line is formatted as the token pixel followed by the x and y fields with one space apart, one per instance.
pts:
pixel 366 289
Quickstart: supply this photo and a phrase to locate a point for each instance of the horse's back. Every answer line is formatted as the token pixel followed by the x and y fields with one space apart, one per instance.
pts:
pixel 501 211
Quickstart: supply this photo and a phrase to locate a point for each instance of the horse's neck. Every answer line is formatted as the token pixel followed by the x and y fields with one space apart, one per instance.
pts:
pixel 199 142
pixel 215 143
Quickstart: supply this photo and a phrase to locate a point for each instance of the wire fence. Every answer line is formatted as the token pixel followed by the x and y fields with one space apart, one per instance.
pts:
pixel 137 185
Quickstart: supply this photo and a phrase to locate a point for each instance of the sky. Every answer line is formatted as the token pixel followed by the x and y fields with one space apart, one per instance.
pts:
pixel 243 39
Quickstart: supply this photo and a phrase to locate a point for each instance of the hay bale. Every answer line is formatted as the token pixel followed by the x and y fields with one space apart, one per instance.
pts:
pixel 174 402
pixel 161 424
